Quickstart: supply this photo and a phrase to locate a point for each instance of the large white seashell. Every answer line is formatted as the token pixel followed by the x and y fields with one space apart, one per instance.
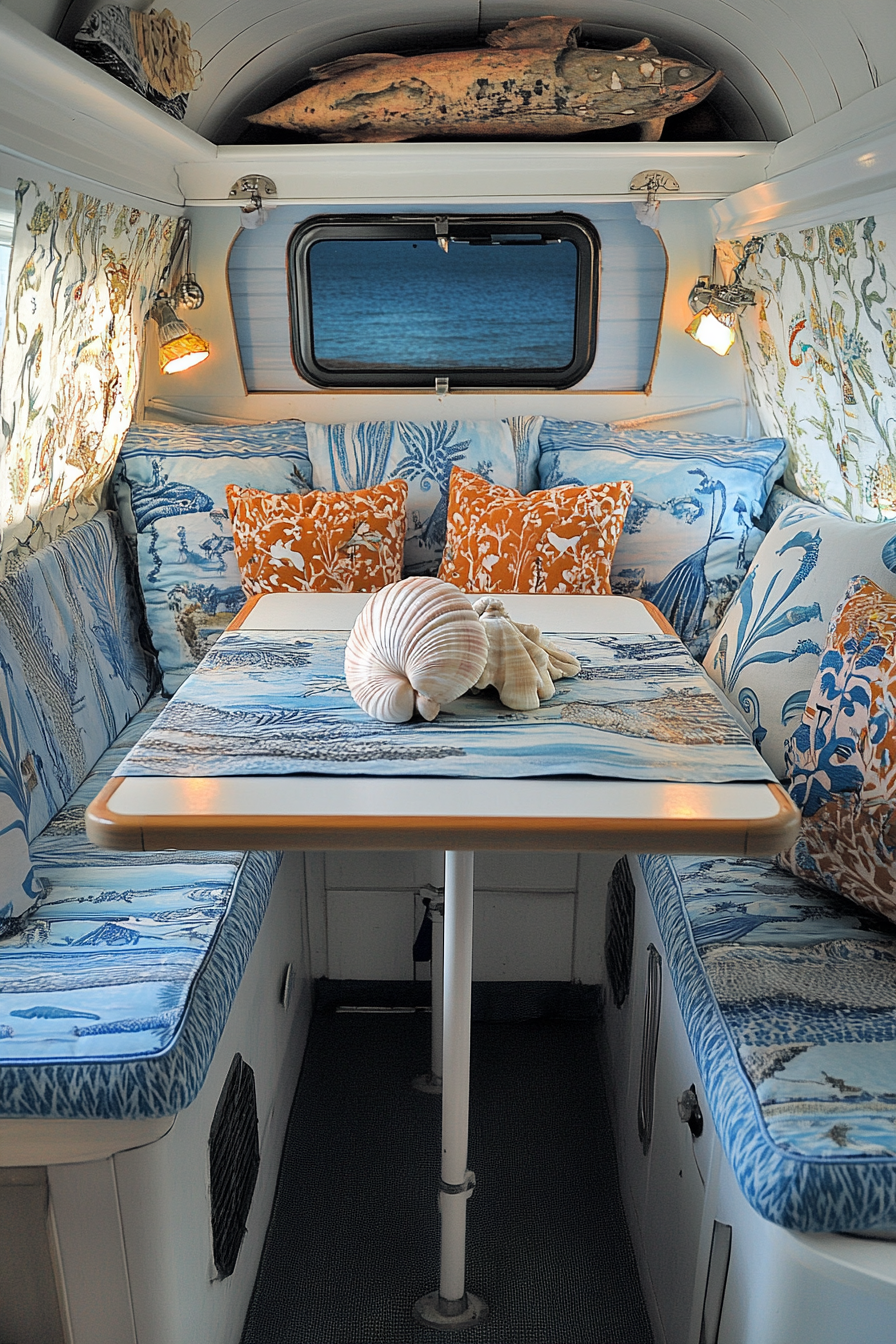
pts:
pixel 522 665
pixel 417 644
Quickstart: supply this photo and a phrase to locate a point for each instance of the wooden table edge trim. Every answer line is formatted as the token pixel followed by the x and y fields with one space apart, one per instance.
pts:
pixel 682 835
pixel 248 607
pixel 664 625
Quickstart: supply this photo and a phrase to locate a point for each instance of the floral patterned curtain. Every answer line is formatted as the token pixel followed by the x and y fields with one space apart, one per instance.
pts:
pixel 820 351
pixel 82 278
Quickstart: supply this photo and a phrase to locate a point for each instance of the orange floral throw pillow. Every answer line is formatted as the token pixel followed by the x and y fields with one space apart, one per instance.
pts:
pixel 321 542
pixel 549 541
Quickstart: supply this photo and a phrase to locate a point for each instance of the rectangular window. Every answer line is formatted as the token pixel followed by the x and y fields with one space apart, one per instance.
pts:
pixel 482 301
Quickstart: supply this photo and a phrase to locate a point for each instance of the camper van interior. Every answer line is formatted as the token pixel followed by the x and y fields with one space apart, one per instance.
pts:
pixel 438 732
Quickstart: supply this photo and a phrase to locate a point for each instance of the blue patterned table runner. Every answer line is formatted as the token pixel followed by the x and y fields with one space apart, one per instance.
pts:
pixel 269 703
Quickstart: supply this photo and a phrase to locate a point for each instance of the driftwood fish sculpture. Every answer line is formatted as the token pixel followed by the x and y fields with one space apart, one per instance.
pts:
pixel 530 80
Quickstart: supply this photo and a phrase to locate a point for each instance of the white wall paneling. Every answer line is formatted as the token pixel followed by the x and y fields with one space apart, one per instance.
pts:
pixel 632 280
pixel 370 934
pixel 61 112
pixel 687 375
pixel 538 916
pixel 838 170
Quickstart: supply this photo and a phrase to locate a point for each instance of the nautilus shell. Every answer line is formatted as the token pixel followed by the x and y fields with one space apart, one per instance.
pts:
pixel 522 665
pixel 417 644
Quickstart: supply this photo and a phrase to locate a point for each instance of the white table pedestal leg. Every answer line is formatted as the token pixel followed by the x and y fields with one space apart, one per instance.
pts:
pixel 451 1307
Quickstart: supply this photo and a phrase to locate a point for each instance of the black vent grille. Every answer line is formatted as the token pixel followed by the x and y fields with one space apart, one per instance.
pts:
pixel 620 931
pixel 233 1163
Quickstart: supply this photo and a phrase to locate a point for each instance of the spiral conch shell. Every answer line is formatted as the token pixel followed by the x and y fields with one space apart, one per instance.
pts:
pixel 522 665
pixel 417 644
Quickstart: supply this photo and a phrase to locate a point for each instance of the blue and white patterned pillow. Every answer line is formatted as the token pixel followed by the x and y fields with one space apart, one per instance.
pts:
pixel 356 456
pixel 19 888
pixel 170 489
pixel 766 652
pixel 69 646
pixel 691 527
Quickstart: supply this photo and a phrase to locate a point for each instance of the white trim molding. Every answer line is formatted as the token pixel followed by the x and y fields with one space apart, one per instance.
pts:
pixel 841 168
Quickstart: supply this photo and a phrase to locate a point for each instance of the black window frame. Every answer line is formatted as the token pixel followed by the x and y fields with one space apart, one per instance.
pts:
pixel 375 227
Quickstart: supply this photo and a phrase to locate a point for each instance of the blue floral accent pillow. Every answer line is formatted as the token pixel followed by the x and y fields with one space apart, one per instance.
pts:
pixel 691 527
pixel 357 456
pixel 19 888
pixel 767 650
pixel 842 757
pixel 170 490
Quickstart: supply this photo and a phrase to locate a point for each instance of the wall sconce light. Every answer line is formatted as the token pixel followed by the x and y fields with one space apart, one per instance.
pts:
pixel 179 347
pixel 717 306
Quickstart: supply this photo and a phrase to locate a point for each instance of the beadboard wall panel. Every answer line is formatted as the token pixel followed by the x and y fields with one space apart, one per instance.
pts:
pixel 632 285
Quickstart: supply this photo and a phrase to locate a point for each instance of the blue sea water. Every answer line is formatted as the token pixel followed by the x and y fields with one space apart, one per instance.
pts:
pixel 395 302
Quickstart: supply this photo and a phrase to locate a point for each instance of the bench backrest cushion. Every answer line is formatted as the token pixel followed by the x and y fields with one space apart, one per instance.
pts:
pixel 356 456
pixel 766 652
pixel 19 889
pixel 170 487
pixel 69 644
pixel 691 528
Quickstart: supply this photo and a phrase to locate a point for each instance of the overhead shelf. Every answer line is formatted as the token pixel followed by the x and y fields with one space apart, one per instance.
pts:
pixel 487 172
pixel 59 111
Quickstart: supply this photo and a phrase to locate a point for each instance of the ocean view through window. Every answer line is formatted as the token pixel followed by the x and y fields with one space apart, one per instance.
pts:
pixel 488 301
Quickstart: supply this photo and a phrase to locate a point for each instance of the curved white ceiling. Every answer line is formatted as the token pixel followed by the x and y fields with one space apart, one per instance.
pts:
pixel 786 65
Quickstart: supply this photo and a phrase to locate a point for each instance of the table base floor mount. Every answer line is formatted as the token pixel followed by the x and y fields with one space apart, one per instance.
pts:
pixel 451 1307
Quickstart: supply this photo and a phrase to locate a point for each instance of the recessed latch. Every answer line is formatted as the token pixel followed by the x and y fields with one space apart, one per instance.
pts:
pixel 689 1111
pixel 441 223
pixel 653 181
pixel 441 387
pixel 258 195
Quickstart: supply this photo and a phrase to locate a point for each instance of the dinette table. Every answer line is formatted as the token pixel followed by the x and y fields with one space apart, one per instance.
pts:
pixel 419 799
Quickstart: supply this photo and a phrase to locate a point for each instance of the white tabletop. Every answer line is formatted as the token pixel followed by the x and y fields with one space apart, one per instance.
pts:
pixel 320 811
pixel 558 612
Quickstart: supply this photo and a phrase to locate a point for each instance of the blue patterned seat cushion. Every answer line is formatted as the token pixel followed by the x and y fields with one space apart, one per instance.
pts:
pixel 691 528
pixel 788 994
pixel 170 489
pixel 116 990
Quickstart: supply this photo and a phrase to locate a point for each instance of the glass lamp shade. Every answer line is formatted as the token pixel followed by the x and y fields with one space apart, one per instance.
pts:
pixel 179 347
pixel 182 353
pixel 715 330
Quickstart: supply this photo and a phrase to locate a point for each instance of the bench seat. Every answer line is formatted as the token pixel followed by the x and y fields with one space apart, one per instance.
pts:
pixel 116 991
pixel 788 996
pixel 115 987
